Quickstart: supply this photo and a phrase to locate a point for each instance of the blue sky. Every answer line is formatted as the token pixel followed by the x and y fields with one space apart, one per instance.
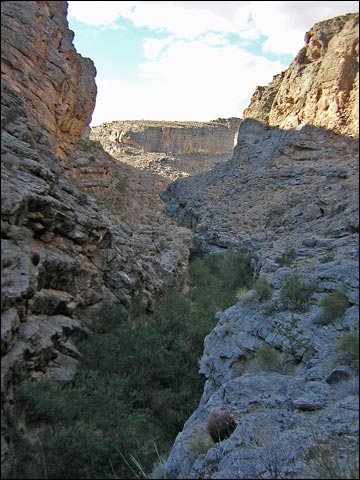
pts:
pixel 186 60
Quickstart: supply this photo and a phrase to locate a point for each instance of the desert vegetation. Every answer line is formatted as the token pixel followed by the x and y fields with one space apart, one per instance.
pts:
pixel 334 305
pixel 138 380
pixel 348 349
pixel 296 292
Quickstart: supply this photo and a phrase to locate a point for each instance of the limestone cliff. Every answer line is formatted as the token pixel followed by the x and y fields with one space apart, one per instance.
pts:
pixel 289 195
pixel 179 138
pixel 78 229
pixel 169 149
pixel 321 85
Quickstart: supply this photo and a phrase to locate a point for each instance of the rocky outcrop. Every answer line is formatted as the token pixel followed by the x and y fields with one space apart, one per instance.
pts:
pixel 178 138
pixel 289 195
pixel 41 65
pixel 321 85
pixel 170 150
pixel 78 229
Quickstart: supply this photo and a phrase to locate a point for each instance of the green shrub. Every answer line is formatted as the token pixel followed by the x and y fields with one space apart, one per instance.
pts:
pixel 262 289
pixel 215 279
pixel 287 257
pixel 296 292
pixel 86 145
pixel 271 308
pixel 269 359
pixel 121 185
pixel 138 379
pixel 334 305
pixel 296 344
pixel 28 463
pixel 348 349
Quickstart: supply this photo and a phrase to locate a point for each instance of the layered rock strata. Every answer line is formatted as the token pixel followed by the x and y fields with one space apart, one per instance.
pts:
pixel 321 85
pixel 171 150
pixel 43 68
pixel 78 229
pixel 179 138
pixel 289 195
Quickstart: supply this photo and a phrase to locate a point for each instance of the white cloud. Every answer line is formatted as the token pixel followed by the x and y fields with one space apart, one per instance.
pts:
pixel 154 46
pixel 185 77
pixel 182 20
pixel 214 39
pixel 284 23
pixel 189 78
pixel 99 13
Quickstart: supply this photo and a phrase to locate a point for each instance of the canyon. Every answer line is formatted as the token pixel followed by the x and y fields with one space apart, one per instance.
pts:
pixel 112 216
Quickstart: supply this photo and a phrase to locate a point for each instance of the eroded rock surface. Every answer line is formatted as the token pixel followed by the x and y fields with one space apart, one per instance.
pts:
pixel 290 196
pixel 41 65
pixel 321 85
pixel 169 149
pixel 180 138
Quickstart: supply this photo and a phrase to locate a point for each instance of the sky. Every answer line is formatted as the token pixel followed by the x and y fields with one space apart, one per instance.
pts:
pixel 185 60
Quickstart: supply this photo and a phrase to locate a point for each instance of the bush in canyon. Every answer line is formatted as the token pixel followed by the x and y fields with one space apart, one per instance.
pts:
pixel 348 349
pixel 287 257
pixel 269 359
pixel 296 292
pixel 28 462
pixel 262 289
pixel 86 145
pixel 334 305
pixel 138 380
pixel 215 279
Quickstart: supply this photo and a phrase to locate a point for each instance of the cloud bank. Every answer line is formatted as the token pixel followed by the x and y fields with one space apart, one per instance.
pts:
pixel 202 60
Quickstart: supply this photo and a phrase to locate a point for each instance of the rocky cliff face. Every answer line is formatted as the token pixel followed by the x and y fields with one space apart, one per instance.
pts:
pixel 78 230
pixel 41 65
pixel 179 138
pixel 169 149
pixel 290 196
pixel 321 85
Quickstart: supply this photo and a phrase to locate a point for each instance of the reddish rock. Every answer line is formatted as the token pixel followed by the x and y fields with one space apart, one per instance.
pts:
pixel 39 60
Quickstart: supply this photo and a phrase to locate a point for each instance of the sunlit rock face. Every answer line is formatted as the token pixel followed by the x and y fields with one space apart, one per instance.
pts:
pixel 41 64
pixel 178 138
pixel 170 150
pixel 321 85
